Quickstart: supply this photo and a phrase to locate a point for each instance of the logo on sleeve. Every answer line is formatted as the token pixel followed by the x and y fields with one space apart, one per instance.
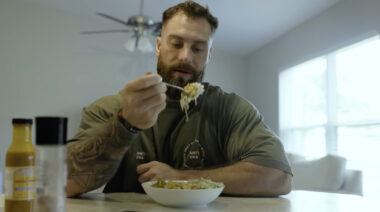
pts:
pixel 193 155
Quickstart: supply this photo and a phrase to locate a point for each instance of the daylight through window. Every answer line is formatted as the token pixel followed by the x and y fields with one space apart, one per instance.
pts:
pixel 331 104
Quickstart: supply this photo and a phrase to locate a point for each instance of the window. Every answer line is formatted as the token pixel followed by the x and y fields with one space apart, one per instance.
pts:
pixel 331 104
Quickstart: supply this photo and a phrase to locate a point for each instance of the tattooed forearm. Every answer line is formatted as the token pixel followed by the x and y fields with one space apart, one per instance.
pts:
pixel 92 162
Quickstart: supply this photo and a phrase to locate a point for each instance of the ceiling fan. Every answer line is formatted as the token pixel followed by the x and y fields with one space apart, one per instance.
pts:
pixel 139 25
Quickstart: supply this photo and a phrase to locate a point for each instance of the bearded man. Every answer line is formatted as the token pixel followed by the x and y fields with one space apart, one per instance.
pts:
pixel 141 134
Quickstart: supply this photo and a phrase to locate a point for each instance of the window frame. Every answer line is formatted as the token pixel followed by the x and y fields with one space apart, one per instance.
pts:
pixel 332 125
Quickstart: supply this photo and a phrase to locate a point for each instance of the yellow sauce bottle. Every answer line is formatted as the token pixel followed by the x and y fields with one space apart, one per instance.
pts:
pixel 19 169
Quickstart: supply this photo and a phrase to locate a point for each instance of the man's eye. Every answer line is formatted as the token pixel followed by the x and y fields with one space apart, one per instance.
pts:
pixel 177 45
pixel 197 49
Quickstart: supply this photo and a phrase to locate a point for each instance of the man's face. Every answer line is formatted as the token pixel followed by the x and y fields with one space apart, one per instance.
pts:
pixel 183 51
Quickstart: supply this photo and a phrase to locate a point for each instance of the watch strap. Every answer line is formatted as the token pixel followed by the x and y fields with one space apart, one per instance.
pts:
pixel 128 126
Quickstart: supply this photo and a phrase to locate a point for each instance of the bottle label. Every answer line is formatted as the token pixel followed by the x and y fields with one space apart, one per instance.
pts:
pixel 19 183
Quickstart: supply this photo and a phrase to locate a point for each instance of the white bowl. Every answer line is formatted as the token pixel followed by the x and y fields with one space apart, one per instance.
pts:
pixel 181 197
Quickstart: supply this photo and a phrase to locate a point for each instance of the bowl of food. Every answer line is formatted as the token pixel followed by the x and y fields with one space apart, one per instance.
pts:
pixel 183 193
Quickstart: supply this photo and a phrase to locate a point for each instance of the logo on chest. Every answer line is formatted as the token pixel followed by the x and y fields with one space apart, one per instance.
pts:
pixel 193 155
pixel 141 156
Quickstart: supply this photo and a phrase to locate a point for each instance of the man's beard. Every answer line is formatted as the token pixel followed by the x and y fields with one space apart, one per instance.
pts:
pixel 166 72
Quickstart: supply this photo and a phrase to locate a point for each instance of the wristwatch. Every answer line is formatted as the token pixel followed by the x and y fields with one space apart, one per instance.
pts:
pixel 128 126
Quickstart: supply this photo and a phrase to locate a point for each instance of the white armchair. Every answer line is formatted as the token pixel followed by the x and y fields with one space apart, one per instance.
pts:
pixel 327 174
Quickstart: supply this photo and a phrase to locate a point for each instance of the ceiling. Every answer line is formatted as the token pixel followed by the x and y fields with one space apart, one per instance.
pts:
pixel 244 25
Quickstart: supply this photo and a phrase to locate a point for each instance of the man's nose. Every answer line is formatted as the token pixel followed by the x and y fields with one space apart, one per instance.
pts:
pixel 185 55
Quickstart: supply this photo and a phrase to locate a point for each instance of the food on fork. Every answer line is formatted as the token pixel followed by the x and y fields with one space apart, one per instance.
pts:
pixel 191 92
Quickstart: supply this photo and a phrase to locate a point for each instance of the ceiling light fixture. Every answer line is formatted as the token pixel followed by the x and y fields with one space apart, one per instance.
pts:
pixel 142 28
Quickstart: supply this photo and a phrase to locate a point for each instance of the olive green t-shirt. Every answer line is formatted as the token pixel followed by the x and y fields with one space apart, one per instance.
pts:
pixel 223 128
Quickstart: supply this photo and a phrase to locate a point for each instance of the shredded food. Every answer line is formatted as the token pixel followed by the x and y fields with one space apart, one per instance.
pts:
pixel 190 184
pixel 191 92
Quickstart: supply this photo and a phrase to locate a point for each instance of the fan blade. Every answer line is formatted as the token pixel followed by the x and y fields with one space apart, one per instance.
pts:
pixel 113 18
pixel 106 31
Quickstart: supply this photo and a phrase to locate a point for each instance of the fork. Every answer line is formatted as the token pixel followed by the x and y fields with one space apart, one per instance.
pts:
pixel 174 86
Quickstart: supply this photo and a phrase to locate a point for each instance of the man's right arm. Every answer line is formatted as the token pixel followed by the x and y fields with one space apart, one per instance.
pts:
pixel 94 157
pixel 92 162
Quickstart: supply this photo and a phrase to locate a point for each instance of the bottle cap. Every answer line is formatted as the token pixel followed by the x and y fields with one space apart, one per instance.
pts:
pixel 22 121
pixel 51 130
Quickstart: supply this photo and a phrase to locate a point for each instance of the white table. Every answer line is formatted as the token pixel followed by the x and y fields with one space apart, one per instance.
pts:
pixel 300 201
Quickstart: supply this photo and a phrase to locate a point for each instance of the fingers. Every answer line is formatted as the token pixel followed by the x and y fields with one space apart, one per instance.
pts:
pixel 155 101
pixel 145 172
pixel 144 82
pixel 159 107
pixel 152 91
pixel 154 170
pixel 148 176
pixel 142 168
pixel 147 98
pixel 143 99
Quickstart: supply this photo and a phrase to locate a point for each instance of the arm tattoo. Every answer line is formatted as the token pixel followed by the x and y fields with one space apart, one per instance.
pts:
pixel 93 161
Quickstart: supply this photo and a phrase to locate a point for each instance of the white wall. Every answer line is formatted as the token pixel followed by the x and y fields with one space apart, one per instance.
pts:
pixel 48 68
pixel 340 25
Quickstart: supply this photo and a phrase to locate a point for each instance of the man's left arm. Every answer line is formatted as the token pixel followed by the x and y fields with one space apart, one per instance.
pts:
pixel 241 178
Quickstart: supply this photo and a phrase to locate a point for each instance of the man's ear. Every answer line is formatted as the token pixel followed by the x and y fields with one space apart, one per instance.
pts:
pixel 158 45
pixel 209 55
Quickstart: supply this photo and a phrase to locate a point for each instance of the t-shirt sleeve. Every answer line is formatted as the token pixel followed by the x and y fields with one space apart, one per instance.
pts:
pixel 100 121
pixel 249 139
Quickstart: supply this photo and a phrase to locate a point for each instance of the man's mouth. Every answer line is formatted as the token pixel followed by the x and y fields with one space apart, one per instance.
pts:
pixel 181 72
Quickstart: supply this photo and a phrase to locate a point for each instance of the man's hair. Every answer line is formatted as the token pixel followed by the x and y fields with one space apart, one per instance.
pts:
pixel 191 9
